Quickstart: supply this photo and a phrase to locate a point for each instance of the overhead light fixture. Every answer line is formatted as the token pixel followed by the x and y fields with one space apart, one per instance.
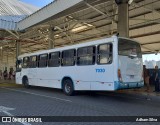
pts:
pixel 130 1
pixel 81 27
pixel 57 36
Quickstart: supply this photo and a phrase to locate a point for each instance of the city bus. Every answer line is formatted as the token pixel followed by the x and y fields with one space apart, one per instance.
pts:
pixel 107 64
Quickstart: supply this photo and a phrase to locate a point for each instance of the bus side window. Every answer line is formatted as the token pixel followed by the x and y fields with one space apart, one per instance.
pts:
pixel 68 57
pixel 25 62
pixel 43 59
pixel 54 59
pixel 33 61
pixel 104 54
pixel 86 55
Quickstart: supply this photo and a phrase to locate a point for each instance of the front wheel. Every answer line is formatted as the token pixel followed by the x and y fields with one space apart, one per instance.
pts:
pixel 68 87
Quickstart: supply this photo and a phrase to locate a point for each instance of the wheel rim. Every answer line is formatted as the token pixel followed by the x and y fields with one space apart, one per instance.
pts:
pixel 67 88
pixel 26 82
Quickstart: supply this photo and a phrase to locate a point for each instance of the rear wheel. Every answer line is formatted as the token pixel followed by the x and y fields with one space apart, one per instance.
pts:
pixel 68 87
pixel 26 82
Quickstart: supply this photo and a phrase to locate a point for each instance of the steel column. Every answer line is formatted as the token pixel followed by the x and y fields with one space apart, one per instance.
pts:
pixel 123 19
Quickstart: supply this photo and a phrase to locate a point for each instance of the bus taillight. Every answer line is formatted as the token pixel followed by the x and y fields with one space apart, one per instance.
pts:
pixel 142 76
pixel 119 75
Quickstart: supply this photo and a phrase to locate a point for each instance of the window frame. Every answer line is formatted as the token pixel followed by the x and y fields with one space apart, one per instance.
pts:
pixel 28 63
pixel 74 58
pixel 32 61
pixel 129 42
pixel 97 55
pixel 94 55
pixel 59 59
pixel 40 60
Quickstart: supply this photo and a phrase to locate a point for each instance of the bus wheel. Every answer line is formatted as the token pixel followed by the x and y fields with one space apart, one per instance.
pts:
pixel 26 83
pixel 68 87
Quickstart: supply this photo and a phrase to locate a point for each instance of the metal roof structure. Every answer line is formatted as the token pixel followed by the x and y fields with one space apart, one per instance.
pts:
pixel 75 21
pixel 12 11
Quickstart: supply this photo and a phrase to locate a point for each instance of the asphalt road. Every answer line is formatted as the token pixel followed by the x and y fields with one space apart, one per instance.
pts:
pixel 38 101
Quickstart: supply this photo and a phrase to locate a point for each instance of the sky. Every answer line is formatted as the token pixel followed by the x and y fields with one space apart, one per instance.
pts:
pixel 38 3
pixel 150 57
pixel 151 60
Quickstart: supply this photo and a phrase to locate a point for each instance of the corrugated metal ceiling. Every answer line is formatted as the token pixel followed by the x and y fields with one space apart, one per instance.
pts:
pixel 144 25
pixel 12 11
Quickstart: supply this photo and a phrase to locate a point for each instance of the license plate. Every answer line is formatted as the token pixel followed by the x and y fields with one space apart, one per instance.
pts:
pixel 131 76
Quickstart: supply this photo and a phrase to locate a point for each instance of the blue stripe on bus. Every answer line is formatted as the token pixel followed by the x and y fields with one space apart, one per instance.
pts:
pixel 125 85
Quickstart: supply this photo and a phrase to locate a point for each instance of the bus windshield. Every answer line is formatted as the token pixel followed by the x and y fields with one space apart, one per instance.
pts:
pixel 129 48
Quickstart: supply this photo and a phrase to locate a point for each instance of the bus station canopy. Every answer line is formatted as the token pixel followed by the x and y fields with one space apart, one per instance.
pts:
pixel 67 22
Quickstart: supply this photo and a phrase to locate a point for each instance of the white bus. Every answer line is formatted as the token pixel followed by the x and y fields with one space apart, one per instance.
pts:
pixel 107 64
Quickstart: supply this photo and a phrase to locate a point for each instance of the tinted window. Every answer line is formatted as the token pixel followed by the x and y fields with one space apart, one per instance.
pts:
pixel 68 57
pixel 33 61
pixel 43 59
pixel 25 62
pixel 129 48
pixel 104 54
pixel 86 55
pixel 54 59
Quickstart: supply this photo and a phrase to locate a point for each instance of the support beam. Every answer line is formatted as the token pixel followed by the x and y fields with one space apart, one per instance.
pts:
pixel 147 8
pixel 96 9
pixel 18 48
pixel 51 39
pixel 123 19
pixel 99 11
pixel 1 56
pixel 12 34
pixel 64 32
pixel 157 42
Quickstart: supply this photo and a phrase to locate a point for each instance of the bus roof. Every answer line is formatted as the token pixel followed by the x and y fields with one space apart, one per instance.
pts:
pixel 95 42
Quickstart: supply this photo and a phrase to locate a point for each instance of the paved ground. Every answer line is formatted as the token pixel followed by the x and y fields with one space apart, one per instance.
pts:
pixel 18 101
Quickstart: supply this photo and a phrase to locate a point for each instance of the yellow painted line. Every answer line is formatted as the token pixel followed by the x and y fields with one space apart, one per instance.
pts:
pixel 10 85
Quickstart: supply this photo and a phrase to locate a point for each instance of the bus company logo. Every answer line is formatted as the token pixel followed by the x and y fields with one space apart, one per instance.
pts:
pixel 6 119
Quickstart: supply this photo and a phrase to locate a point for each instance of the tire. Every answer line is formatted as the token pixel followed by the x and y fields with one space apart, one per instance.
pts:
pixel 26 83
pixel 68 87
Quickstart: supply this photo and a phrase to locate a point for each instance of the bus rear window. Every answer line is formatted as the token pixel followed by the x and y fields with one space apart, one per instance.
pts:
pixel 129 48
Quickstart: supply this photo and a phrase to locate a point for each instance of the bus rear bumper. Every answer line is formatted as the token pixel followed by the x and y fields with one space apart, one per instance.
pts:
pixel 125 85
